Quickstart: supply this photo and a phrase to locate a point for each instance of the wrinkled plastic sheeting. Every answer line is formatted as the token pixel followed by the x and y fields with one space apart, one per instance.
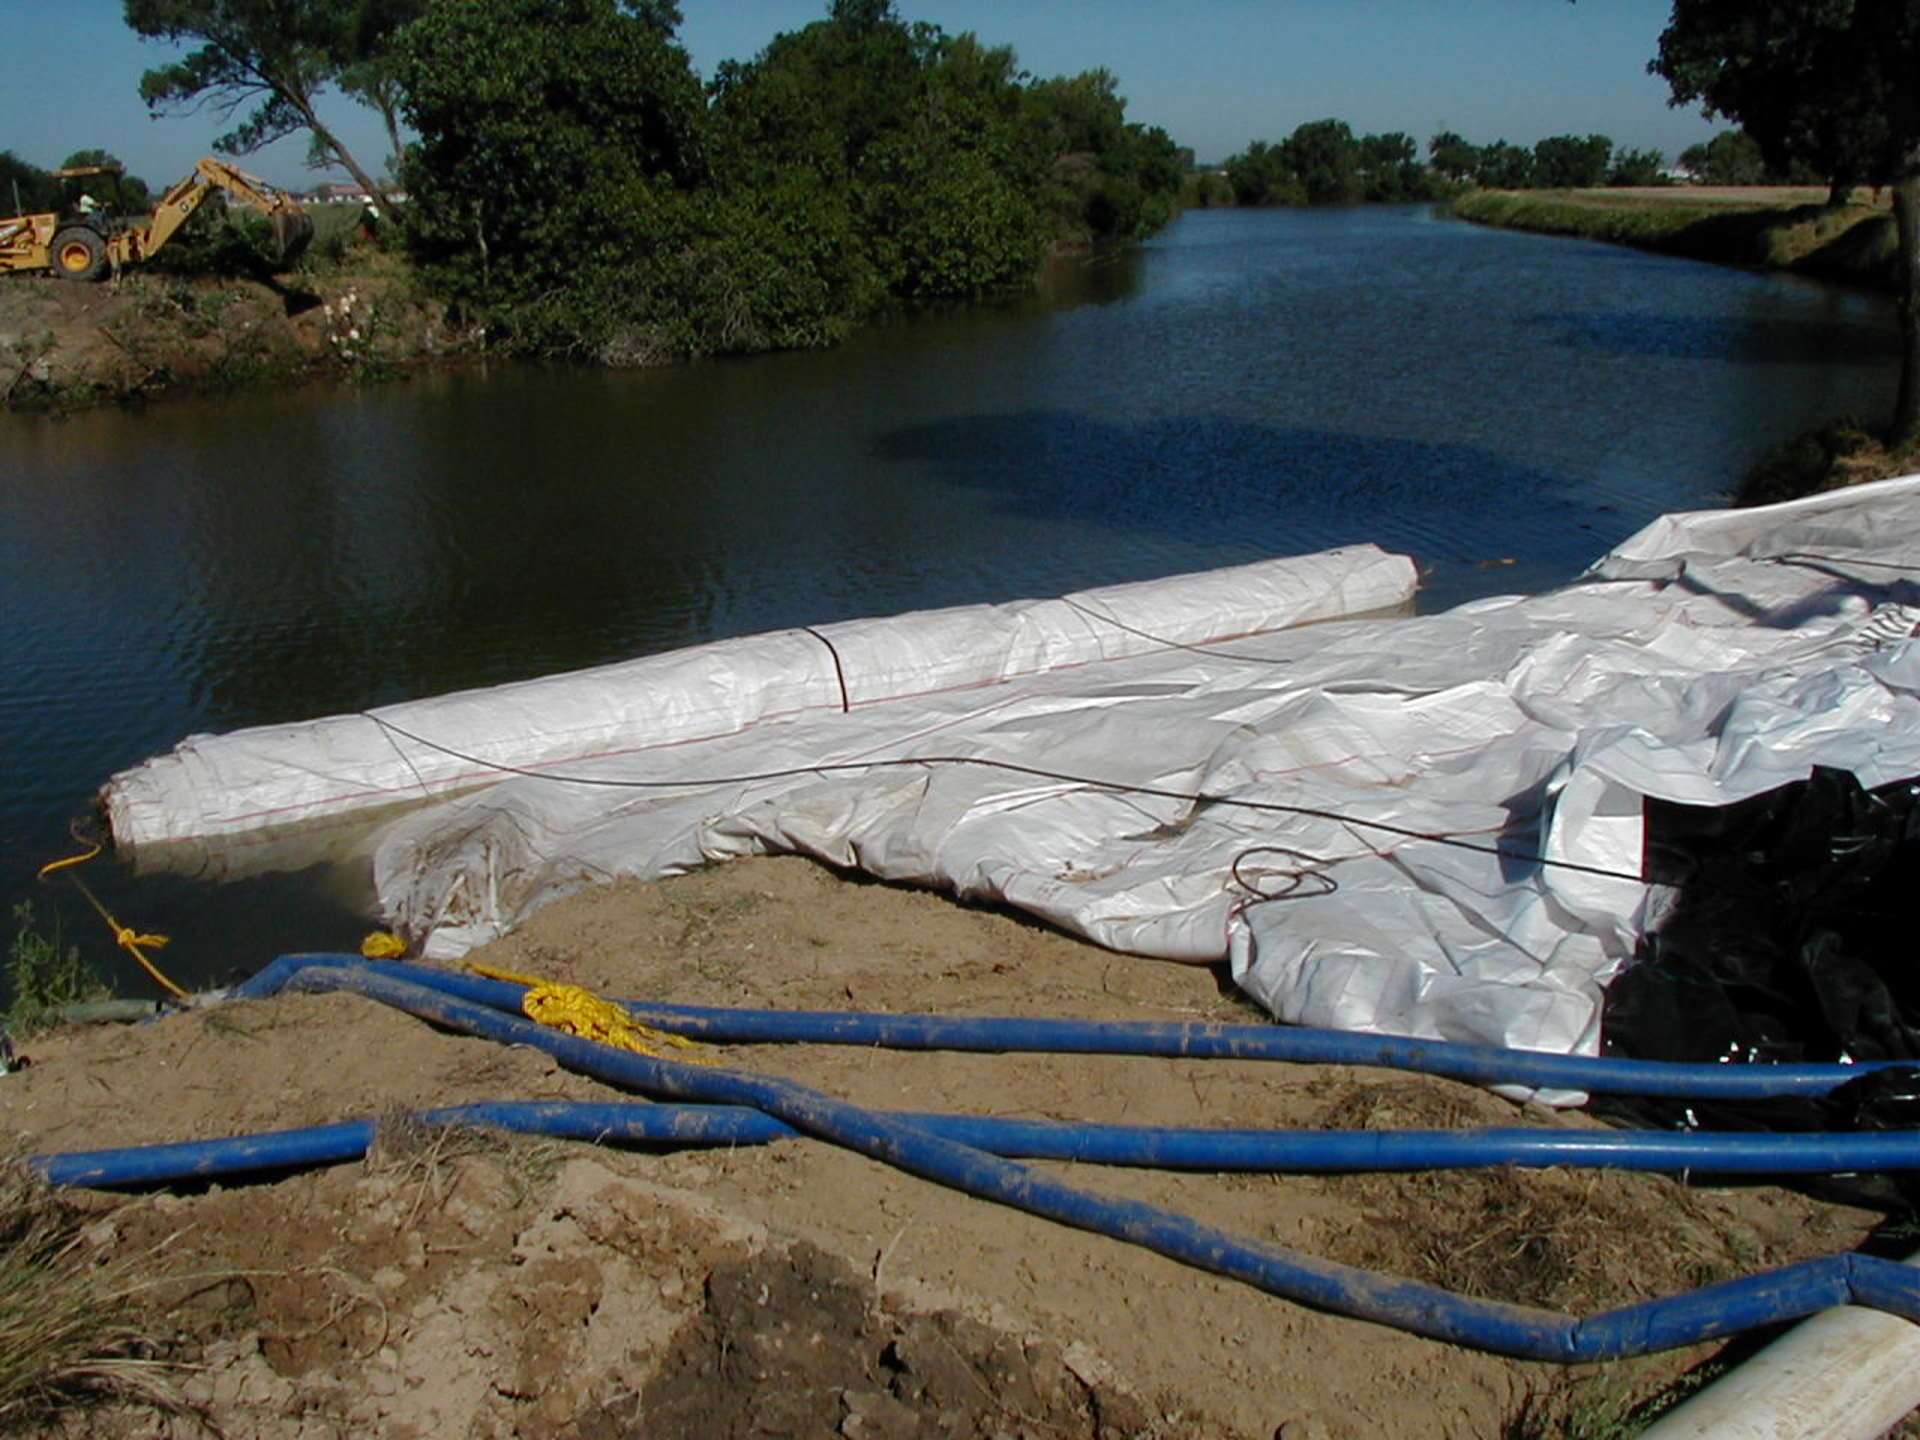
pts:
pixel 1709 658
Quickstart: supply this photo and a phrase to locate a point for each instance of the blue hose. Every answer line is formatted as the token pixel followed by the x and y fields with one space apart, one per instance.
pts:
pixel 1474 1064
pixel 1219 1151
pixel 1771 1298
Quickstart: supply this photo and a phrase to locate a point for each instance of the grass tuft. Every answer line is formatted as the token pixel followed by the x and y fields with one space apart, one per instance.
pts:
pixel 70 1329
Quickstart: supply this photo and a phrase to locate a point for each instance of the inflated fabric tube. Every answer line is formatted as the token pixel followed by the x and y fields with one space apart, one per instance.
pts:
pixel 1265 1151
pixel 1788 1389
pixel 1474 1064
pixel 1780 1295
pixel 335 769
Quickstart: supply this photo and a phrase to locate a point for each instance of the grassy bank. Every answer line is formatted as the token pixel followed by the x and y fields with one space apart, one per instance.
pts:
pixel 1784 229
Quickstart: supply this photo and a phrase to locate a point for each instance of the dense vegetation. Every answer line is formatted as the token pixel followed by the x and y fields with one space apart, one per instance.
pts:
pixel 576 186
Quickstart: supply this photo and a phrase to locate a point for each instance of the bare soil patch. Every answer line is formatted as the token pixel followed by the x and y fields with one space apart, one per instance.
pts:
pixel 456 1284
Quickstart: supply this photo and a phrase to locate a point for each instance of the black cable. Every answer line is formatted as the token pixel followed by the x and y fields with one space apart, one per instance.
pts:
pixel 1294 878
pixel 1072 604
pixel 840 674
pixel 1191 797
pixel 1806 557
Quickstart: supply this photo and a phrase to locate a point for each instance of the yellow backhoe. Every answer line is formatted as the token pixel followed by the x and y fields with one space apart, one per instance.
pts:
pixel 83 246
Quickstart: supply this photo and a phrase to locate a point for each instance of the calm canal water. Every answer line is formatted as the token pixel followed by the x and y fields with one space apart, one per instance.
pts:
pixel 1248 384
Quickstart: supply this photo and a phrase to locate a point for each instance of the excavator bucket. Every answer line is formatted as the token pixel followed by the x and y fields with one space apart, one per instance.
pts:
pixel 292 233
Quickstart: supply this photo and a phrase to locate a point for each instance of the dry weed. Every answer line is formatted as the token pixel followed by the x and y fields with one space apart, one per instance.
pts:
pixel 71 1326
pixel 1570 1240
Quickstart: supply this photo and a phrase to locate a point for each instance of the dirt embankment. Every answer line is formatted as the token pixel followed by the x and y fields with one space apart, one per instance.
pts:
pixel 461 1285
pixel 1766 228
pixel 68 345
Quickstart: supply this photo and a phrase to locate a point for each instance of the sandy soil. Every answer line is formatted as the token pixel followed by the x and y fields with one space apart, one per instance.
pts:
pixel 469 1285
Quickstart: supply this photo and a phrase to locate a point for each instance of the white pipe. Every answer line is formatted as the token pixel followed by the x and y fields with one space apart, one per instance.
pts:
pixel 1846 1374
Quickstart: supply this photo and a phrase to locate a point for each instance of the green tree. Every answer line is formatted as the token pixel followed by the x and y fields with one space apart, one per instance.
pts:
pixel 1325 158
pixel 1389 168
pixel 557 141
pixel 25 188
pixel 917 139
pixel 1731 157
pixel 1570 162
pixel 1453 157
pixel 1504 167
pixel 1637 167
pixel 1828 83
pixel 1107 178
pixel 274 56
pixel 1260 175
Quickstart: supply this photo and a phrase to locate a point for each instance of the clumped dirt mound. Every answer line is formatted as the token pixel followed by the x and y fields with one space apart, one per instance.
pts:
pixel 457 1284
pixel 795 1343
pixel 64 345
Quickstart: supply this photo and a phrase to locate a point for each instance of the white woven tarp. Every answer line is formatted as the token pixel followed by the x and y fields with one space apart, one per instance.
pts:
pixel 1710 657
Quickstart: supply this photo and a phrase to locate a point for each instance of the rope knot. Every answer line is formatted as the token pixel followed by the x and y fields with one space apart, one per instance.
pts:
pixel 578 1011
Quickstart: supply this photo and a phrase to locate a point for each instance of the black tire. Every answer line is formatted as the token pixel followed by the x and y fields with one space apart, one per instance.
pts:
pixel 78 253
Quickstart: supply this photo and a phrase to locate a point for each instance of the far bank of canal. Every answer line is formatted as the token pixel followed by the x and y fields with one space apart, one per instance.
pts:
pixel 1501 405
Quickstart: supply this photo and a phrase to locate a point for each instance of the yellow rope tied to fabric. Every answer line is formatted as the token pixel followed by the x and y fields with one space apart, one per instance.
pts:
pixel 578 1011
pixel 134 942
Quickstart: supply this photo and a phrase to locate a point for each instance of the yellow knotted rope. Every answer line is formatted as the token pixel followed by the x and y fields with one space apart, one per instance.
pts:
pixel 134 942
pixel 580 1012
pixel 383 945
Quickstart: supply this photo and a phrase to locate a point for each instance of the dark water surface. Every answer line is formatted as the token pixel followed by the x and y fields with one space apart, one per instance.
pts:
pixel 1250 384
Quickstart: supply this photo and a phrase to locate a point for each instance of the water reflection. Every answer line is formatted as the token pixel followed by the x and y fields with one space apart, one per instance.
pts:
pixel 1277 489
pixel 1742 340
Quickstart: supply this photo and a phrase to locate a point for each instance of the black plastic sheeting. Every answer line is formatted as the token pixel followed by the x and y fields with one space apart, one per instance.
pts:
pixel 1792 938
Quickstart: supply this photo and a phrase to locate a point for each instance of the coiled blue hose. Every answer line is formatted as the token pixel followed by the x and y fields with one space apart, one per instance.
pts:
pixel 1785 1294
pixel 1473 1064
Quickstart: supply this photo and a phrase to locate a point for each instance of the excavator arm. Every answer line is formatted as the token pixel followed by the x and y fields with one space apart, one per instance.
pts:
pixel 292 226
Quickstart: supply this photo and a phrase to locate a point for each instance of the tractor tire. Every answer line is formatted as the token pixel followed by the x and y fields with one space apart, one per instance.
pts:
pixel 79 253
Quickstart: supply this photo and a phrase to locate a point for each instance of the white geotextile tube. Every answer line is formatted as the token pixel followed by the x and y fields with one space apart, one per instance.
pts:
pixel 344 767
pixel 1846 1374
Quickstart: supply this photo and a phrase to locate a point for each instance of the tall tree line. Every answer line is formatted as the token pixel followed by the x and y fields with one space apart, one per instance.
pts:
pixel 1324 162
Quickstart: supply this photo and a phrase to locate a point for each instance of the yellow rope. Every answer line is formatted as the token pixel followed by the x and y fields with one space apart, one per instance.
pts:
pixel 134 942
pixel 383 945
pixel 51 866
pixel 580 1012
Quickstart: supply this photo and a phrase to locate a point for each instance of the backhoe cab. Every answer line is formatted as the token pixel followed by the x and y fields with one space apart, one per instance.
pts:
pixel 83 246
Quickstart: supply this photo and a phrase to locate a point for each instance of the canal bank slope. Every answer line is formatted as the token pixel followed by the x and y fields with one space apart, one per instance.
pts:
pixel 1772 228
pixel 66 346
pixel 464 1285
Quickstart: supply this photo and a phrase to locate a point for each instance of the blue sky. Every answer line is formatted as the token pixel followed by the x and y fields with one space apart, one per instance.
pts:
pixel 1215 73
